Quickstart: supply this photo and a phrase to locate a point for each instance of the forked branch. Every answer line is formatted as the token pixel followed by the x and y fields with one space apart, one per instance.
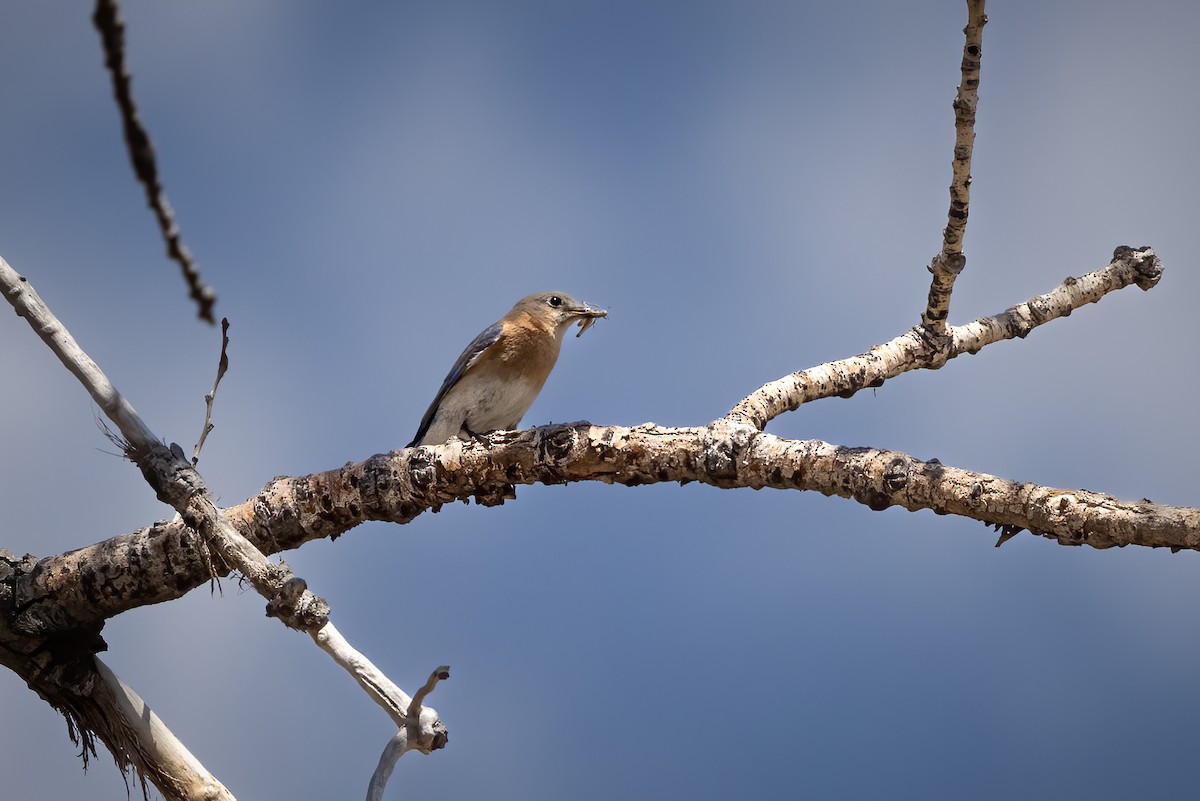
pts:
pixel 917 350
pixel 177 483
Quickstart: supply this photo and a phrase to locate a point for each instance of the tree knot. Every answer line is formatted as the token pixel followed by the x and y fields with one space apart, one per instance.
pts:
pixel 1144 261
pixel 725 446
pixel 297 607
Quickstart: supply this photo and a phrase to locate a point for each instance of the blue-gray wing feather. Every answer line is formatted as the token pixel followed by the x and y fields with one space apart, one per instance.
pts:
pixel 486 338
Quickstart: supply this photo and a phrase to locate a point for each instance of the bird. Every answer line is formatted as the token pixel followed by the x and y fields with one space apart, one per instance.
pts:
pixel 495 380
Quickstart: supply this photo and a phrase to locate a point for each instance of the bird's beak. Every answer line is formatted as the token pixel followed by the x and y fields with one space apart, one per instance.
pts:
pixel 588 315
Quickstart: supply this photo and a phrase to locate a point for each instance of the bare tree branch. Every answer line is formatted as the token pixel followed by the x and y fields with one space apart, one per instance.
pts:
pixel 151 566
pixel 395 748
pixel 61 667
pixel 949 262
pixel 76 592
pixel 54 608
pixel 178 484
pixel 440 673
pixel 917 350
pixel 174 480
pixel 412 735
pixel 156 752
pixel 222 366
pixel 107 19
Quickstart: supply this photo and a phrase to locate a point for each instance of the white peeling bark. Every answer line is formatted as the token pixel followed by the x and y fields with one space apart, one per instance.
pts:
pixel 949 262
pixel 399 706
pixel 419 723
pixel 921 348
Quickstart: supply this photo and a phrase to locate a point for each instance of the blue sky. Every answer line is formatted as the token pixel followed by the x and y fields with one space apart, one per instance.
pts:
pixel 751 188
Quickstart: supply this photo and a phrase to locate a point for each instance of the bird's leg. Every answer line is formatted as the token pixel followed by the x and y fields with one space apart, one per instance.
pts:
pixel 482 439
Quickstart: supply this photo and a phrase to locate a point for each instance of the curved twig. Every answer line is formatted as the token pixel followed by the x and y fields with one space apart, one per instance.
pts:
pixel 422 732
pixel 107 19
pixel 222 366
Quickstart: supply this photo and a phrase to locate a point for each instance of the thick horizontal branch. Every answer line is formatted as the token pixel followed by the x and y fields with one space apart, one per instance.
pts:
pixel 159 563
pixel 924 349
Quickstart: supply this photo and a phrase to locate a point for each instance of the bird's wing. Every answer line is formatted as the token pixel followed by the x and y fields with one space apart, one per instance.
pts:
pixel 487 337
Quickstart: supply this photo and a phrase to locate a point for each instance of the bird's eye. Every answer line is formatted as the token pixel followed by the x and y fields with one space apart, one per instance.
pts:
pixel 555 301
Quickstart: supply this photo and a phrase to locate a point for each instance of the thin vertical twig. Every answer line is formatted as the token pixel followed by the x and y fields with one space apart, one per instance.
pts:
pixel 222 366
pixel 950 261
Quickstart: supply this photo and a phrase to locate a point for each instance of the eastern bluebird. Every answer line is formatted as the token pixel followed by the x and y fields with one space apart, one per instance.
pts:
pixel 496 379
